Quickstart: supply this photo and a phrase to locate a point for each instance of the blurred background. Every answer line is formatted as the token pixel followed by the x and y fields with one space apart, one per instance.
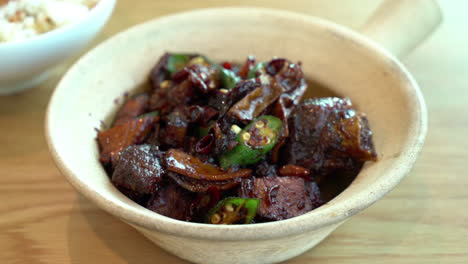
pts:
pixel 43 220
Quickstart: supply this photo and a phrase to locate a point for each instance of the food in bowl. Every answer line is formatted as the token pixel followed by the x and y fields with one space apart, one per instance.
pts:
pixel 23 19
pixel 224 144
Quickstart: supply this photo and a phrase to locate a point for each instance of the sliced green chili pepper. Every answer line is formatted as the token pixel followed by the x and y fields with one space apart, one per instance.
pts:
pixel 252 72
pixel 154 113
pixel 255 140
pixel 228 78
pixel 200 60
pixel 177 62
pixel 233 210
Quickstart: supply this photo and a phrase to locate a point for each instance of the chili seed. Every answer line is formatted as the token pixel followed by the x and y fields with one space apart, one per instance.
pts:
pixel 164 84
pixel 273 135
pixel 215 219
pixel 229 208
pixel 246 136
pixel 197 60
pixel 236 129
pixel 259 124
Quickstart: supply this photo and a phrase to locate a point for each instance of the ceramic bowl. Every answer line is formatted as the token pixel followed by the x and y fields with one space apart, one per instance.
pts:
pixel 25 64
pixel 344 61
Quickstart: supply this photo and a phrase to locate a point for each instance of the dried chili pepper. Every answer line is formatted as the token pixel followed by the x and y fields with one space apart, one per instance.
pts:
pixel 190 166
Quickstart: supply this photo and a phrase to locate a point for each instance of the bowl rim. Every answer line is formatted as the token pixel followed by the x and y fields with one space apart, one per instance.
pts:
pixel 96 10
pixel 321 217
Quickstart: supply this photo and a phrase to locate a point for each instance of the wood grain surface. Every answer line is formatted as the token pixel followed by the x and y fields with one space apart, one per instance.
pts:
pixel 424 220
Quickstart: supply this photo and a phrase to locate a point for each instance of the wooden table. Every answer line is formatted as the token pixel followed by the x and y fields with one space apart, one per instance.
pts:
pixel 424 220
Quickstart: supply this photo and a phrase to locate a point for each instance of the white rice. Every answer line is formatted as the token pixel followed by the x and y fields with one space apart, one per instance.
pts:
pixel 23 19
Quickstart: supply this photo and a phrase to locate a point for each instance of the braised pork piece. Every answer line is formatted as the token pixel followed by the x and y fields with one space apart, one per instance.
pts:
pixel 223 144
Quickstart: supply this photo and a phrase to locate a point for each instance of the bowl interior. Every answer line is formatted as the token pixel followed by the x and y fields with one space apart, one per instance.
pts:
pixel 332 57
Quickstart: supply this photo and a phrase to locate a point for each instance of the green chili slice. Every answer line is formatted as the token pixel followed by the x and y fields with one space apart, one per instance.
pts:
pixel 233 210
pixel 228 78
pixel 254 141
pixel 177 62
pixel 253 71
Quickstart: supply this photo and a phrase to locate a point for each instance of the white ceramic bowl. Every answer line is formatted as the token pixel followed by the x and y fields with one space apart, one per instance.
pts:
pixel 343 60
pixel 25 64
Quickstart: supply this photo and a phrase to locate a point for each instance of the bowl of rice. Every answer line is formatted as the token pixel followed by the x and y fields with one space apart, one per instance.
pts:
pixel 35 35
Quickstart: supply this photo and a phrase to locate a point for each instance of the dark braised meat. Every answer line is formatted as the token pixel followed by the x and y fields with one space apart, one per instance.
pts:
pixel 265 168
pixel 293 81
pixel 132 108
pixel 315 195
pixel 175 130
pixel 233 144
pixel 139 169
pixel 280 197
pixel 201 115
pixel 159 72
pixel 196 185
pixel 172 201
pixel 119 137
pixel 182 93
pixel 349 135
pixel 138 198
pixel 328 135
pixel 159 100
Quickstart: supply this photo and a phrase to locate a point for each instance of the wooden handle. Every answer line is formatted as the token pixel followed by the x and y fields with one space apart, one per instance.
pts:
pixel 400 25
